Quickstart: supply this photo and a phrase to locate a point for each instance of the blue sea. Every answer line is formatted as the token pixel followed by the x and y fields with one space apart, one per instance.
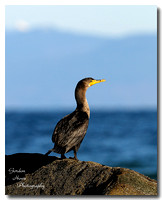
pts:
pixel 114 138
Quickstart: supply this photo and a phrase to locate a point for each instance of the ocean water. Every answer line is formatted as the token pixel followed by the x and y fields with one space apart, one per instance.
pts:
pixel 114 138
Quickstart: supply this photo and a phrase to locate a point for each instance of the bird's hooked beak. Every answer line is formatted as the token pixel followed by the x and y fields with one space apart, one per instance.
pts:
pixel 96 81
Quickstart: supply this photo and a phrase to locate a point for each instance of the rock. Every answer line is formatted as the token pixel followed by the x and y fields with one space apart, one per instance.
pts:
pixel 48 175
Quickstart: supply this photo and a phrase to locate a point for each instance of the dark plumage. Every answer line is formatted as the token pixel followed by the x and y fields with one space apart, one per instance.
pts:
pixel 70 130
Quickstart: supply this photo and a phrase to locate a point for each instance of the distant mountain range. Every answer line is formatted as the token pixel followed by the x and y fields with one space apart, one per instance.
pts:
pixel 43 67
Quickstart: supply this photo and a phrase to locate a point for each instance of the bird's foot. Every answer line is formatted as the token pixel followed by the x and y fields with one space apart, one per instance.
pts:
pixel 73 158
pixel 63 156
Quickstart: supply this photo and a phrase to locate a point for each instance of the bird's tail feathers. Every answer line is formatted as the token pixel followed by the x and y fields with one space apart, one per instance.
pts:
pixel 56 149
pixel 51 150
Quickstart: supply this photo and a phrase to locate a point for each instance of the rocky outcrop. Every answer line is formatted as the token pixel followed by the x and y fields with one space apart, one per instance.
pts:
pixel 36 174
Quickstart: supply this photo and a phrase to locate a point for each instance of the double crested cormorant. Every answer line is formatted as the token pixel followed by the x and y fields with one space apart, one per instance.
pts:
pixel 70 130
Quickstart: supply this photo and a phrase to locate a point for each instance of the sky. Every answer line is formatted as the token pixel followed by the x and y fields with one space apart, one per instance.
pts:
pixel 123 50
pixel 94 20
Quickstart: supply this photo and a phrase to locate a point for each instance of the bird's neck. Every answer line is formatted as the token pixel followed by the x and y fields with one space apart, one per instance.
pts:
pixel 81 100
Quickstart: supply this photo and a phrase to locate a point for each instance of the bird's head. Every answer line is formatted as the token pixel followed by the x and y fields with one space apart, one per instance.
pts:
pixel 87 82
pixel 81 88
pixel 94 81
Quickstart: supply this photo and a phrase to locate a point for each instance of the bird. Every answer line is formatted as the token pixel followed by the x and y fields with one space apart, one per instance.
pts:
pixel 70 131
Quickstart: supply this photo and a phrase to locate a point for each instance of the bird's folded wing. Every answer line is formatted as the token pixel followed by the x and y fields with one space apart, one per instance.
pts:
pixel 71 129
